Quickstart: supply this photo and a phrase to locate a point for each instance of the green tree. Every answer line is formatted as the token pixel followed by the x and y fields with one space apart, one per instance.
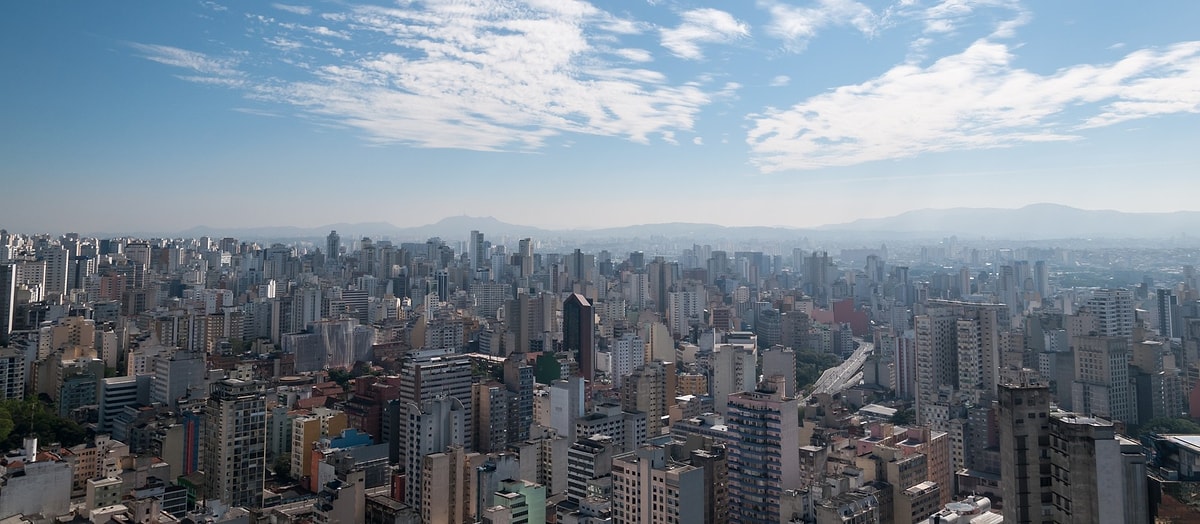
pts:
pixel 904 417
pixel 6 423
pixel 1169 425
pixel 810 364
pixel 282 467
pixel 548 368
pixel 34 417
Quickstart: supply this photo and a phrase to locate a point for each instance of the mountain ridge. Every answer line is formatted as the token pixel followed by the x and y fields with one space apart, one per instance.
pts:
pixel 1042 221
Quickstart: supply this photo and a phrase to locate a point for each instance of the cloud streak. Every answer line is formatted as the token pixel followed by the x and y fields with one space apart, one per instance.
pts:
pixel 702 26
pixel 796 25
pixel 485 75
pixel 975 99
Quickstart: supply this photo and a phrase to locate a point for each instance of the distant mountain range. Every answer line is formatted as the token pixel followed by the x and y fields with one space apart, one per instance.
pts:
pixel 1033 222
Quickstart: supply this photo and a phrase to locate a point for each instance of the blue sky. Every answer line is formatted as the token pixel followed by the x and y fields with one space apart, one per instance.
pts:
pixel 557 113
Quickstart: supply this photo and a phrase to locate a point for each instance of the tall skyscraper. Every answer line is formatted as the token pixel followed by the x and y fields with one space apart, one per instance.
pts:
pixel 476 251
pixel 235 459
pixel 765 461
pixel 428 375
pixel 645 390
pixel 57 270
pixel 432 426
pixel 1101 387
pixel 649 488
pixel 958 346
pixel 1167 305
pixel 1114 312
pixel 333 248
pixel 1024 469
pixel 579 333
pixel 519 383
pixel 8 297
pixel 1097 476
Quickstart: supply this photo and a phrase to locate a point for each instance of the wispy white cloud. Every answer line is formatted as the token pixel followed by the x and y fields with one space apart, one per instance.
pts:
pixel 780 81
pixel 213 6
pixel 796 25
pixel 698 141
pixel 635 55
pixel 467 74
pixel 702 26
pixel 302 10
pixel 198 62
pixel 975 99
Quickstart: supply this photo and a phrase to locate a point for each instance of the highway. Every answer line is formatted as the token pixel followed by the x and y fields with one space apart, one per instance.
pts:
pixel 846 374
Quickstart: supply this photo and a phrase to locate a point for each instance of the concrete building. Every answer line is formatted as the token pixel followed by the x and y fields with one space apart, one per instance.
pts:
pixel 734 370
pixel 782 361
pixel 1102 384
pixel 12 370
pixel 309 429
pixel 517 502
pixel 650 488
pixel 1096 475
pixel 490 414
pixel 1024 411
pixel 37 488
pixel 431 427
pixel 628 430
pixel 765 460
pixel 646 390
pixel 236 432
pixel 589 468
pixel 579 333
pixel 431 374
pixel 1113 311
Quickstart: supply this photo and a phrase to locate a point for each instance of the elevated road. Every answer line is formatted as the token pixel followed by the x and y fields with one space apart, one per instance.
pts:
pixel 846 374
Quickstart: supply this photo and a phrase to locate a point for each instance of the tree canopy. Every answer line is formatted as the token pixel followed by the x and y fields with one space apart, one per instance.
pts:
pixel 32 417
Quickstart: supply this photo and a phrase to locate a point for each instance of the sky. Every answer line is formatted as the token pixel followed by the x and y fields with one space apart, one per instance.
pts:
pixel 161 116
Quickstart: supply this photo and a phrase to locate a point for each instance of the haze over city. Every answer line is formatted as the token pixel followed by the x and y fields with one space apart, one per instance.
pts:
pixel 567 114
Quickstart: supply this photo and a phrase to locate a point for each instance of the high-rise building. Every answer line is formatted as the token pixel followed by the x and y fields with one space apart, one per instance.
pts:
pixel 579 333
pixel 519 383
pixel 588 460
pixel 1096 475
pixel 333 248
pixel 446 480
pixel 683 311
pixel 116 393
pixel 476 251
pixel 627 354
pixel 490 416
pixel 235 429
pixel 958 347
pixel 1168 322
pixel 1114 312
pixel 734 369
pixel 765 460
pixel 8 299
pixel 649 488
pixel 778 360
pixel 1101 387
pixel 57 269
pixel 432 426
pixel 627 429
pixel 1025 471
pixel 12 373
pixel 431 374
pixel 645 390
pixel 307 430
pixel 566 405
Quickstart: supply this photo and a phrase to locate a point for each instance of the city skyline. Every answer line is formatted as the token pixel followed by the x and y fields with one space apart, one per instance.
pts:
pixel 589 115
